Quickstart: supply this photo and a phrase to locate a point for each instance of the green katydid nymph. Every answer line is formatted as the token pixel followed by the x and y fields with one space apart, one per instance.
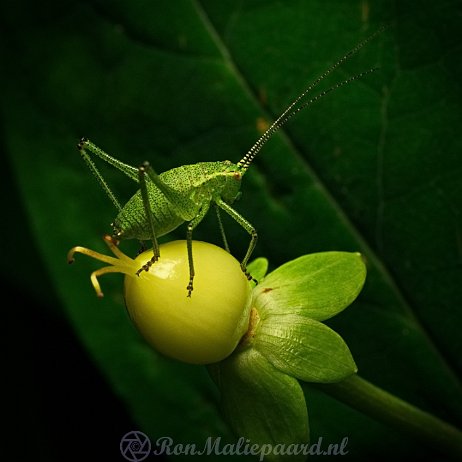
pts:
pixel 185 194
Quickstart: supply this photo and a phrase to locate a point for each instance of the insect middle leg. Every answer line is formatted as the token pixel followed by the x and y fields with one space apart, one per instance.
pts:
pixel 191 225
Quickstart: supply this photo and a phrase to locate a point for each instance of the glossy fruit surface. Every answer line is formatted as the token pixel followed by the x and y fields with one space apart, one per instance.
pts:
pixel 201 329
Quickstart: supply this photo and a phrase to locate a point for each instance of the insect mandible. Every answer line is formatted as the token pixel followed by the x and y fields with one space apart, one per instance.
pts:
pixel 185 194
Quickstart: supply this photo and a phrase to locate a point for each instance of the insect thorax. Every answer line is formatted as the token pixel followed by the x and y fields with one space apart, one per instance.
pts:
pixel 223 181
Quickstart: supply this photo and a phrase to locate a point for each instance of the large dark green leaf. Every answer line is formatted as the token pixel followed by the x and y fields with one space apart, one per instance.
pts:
pixel 374 167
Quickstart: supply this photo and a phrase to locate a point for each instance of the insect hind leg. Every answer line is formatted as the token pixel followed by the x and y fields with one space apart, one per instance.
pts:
pixel 142 172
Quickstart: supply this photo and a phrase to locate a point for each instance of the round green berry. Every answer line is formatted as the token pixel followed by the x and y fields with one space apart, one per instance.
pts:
pixel 204 328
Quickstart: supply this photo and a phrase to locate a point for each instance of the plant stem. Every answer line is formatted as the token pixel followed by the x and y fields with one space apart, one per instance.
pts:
pixel 381 405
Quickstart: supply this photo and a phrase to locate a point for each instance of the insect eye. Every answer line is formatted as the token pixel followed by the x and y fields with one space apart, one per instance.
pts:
pixel 237 176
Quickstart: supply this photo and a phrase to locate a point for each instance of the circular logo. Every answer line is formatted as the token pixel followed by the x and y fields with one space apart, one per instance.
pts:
pixel 135 446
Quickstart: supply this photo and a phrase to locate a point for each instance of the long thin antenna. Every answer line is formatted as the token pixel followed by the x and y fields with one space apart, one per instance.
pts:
pixel 289 112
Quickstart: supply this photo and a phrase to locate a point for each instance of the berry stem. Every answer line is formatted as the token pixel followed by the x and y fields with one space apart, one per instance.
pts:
pixel 391 410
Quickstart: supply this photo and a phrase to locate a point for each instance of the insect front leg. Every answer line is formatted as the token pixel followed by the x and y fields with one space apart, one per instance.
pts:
pixel 142 171
pixel 222 229
pixel 249 228
pixel 191 225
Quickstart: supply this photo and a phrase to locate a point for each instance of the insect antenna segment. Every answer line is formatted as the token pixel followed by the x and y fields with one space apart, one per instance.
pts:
pixel 292 109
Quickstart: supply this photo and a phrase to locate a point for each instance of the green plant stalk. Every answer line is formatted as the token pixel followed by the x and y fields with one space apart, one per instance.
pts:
pixel 387 408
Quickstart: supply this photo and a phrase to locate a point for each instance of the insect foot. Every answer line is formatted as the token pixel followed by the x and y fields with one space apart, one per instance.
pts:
pixel 147 265
pixel 190 287
pixel 248 275
pixel 201 330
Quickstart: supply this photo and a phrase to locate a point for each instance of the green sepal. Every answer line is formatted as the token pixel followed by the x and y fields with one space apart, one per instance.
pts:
pixel 304 348
pixel 258 268
pixel 317 285
pixel 261 403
